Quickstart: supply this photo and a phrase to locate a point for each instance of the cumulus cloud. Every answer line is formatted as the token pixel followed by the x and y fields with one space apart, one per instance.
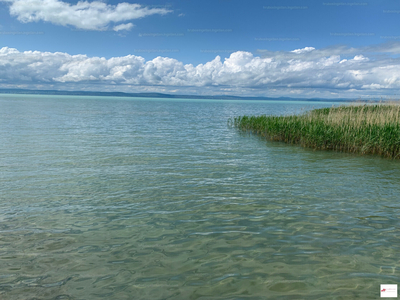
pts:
pixel 86 15
pixel 304 50
pixel 292 71
pixel 123 27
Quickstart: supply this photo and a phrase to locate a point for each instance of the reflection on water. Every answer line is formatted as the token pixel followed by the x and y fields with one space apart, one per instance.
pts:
pixel 122 198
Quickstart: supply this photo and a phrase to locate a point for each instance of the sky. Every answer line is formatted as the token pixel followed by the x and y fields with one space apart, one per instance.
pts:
pixel 300 48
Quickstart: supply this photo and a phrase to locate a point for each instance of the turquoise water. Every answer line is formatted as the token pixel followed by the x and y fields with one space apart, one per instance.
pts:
pixel 127 198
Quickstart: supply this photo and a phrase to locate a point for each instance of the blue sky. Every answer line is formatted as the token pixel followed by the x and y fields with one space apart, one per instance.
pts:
pixel 249 48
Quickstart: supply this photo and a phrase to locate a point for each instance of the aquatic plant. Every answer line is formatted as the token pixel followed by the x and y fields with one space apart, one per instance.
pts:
pixel 364 129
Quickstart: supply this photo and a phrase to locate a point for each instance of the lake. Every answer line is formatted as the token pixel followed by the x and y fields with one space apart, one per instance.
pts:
pixel 139 198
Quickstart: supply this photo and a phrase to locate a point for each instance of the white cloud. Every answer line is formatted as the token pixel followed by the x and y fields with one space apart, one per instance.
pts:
pixel 360 58
pixel 304 50
pixel 123 27
pixel 86 15
pixel 280 72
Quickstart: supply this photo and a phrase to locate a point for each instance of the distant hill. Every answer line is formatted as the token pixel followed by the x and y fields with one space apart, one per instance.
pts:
pixel 158 95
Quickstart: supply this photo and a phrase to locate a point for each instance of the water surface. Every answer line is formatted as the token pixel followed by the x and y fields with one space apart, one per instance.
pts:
pixel 134 198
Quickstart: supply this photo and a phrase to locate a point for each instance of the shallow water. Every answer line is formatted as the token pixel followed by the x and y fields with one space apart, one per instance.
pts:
pixel 127 198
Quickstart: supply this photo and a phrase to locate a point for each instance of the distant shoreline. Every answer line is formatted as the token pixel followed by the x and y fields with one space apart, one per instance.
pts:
pixel 160 95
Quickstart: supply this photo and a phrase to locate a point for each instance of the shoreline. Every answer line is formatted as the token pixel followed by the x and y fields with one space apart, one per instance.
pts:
pixel 362 129
pixel 168 96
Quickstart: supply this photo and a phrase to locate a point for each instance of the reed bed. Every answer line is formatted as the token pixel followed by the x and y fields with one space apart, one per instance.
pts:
pixel 364 129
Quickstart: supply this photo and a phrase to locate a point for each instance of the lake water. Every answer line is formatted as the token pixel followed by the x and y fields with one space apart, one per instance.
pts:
pixel 133 198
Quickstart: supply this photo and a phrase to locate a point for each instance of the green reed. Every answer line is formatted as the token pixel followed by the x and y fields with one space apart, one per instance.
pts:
pixel 364 129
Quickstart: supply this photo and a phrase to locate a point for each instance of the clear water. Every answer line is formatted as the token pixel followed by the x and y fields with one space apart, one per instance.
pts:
pixel 126 198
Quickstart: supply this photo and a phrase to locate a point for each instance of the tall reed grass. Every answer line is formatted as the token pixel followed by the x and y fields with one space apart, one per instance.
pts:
pixel 364 129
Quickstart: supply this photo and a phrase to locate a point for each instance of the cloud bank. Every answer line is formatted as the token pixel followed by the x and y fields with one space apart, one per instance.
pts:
pixel 336 69
pixel 84 15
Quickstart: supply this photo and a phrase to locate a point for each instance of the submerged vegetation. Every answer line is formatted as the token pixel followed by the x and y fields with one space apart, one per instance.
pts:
pixel 364 129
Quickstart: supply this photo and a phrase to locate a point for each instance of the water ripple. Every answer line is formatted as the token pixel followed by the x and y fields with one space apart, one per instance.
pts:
pixel 115 198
